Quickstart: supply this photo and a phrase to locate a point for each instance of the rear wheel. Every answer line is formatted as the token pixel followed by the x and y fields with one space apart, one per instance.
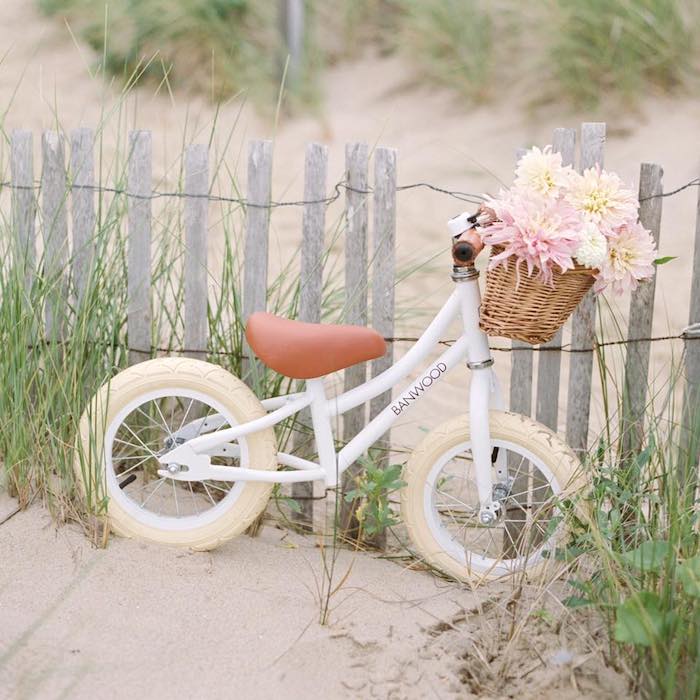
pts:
pixel 144 412
pixel 440 504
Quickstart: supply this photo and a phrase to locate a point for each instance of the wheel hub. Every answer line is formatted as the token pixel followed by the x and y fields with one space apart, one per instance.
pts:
pixel 488 515
pixel 503 489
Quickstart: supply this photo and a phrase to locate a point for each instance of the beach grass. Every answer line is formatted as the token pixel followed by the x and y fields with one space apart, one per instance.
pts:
pixel 639 556
pixel 620 47
pixel 561 50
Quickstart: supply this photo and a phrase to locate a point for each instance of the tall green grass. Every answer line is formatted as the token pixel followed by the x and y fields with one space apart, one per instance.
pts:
pixel 623 47
pixel 577 51
pixel 215 47
pixel 640 553
pixel 47 383
pixel 452 42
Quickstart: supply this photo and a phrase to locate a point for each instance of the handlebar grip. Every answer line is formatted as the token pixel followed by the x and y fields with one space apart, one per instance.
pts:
pixel 463 253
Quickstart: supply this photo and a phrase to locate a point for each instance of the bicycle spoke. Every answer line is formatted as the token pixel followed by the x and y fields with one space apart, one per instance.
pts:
pixel 165 424
pixel 130 469
pixel 218 488
pixel 213 502
pixel 177 507
pixel 120 458
pixel 184 418
pixel 147 417
pixel 130 444
pixel 194 498
pixel 452 498
pixel 204 420
pixel 160 483
pixel 153 454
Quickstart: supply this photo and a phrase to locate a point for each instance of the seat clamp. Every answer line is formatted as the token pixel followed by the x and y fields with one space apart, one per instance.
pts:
pixel 480 365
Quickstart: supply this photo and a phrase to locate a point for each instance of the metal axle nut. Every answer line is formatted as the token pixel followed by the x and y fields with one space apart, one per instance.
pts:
pixel 486 517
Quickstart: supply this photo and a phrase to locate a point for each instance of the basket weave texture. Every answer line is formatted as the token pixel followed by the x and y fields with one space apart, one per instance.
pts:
pixel 533 312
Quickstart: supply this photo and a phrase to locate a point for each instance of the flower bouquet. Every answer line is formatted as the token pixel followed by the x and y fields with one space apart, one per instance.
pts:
pixel 555 234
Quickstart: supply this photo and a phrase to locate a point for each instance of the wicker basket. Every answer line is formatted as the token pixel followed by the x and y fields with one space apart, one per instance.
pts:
pixel 534 311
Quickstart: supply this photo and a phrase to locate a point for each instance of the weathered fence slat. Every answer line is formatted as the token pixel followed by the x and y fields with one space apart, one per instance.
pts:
pixel 640 318
pixel 356 206
pixel 23 202
pixel 383 281
pixel 549 362
pixel 521 364
pixel 690 440
pixel 196 207
pixel 139 186
pixel 583 324
pixel 256 239
pixel 55 230
pixel 82 171
pixel 383 262
pixel 310 296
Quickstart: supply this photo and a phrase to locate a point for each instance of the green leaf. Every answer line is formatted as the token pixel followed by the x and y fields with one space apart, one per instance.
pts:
pixel 574 601
pixel 639 620
pixel 649 556
pixel 293 504
pixel 664 260
pixel 689 574
pixel 545 615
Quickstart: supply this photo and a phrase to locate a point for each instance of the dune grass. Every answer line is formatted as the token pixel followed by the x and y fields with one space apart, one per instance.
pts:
pixel 214 47
pixel 639 555
pixel 561 50
pixel 47 382
pixel 453 42
pixel 623 47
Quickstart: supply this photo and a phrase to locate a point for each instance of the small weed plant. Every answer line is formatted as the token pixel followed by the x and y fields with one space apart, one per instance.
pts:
pixel 374 485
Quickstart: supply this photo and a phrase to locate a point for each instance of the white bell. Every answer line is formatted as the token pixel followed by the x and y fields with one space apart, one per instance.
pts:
pixel 460 224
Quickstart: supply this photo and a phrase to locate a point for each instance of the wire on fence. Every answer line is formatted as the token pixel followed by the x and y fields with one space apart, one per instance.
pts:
pixel 399 339
pixel 342 185
pixel 469 197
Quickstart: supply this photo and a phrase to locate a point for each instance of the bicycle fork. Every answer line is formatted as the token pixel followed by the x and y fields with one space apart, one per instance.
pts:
pixel 484 394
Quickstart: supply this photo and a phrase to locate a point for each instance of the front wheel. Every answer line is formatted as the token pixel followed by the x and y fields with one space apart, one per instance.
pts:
pixel 440 504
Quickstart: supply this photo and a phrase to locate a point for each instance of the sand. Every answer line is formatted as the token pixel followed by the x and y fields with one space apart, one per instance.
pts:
pixel 137 620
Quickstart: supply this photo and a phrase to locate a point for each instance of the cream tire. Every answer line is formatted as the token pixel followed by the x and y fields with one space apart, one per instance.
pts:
pixel 192 378
pixel 513 431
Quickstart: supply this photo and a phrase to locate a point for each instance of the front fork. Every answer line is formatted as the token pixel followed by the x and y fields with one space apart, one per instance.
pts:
pixel 484 394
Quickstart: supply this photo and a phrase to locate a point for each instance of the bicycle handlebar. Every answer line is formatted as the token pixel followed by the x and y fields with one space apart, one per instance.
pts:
pixel 467 241
pixel 466 247
pixel 463 253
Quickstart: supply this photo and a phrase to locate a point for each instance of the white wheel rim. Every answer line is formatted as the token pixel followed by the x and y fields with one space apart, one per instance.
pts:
pixel 448 543
pixel 147 517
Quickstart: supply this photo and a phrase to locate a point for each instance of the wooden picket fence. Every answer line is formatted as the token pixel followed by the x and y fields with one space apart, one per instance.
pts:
pixel 78 180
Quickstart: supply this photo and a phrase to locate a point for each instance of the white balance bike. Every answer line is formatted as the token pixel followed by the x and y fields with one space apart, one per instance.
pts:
pixel 187 456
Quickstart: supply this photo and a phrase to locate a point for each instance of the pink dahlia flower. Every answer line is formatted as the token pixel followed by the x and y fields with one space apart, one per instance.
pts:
pixel 630 258
pixel 540 231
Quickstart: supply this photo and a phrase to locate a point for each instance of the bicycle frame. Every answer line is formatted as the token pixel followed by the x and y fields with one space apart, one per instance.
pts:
pixel 191 461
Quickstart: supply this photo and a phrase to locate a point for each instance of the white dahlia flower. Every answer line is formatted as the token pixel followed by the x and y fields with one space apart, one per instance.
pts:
pixel 593 248
pixel 542 172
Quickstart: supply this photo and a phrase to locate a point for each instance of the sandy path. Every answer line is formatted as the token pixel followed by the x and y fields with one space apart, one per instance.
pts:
pixel 136 620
